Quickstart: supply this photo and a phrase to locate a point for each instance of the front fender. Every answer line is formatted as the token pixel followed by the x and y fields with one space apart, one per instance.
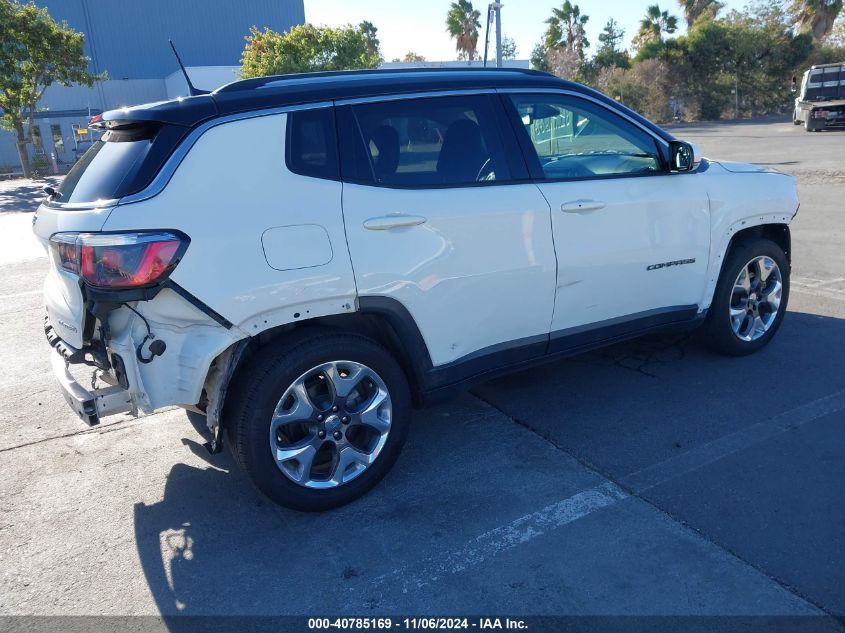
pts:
pixel 739 201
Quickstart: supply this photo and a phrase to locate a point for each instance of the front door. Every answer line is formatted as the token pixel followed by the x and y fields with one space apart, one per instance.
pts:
pixel 632 240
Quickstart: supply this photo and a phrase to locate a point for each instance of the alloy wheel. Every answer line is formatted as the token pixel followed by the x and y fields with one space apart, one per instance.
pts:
pixel 756 298
pixel 331 424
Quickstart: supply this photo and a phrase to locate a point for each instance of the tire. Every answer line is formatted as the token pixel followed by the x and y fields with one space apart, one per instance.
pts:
pixel 726 330
pixel 306 464
pixel 809 124
pixel 795 119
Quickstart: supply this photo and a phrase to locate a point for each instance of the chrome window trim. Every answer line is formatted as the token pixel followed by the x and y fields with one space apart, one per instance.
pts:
pixel 159 182
pixel 598 102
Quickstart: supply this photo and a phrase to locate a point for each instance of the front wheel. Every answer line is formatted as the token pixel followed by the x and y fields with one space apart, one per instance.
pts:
pixel 750 299
pixel 318 421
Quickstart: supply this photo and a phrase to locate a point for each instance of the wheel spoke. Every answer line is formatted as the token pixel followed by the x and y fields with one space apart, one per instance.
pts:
pixel 342 386
pixel 743 282
pixel 346 457
pixel 371 415
pixel 301 411
pixel 304 453
pixel 772 295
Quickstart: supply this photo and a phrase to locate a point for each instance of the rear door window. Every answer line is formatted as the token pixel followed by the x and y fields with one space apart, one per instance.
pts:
pixel 432 142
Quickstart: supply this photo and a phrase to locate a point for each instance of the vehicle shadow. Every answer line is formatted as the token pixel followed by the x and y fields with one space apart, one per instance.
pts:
pixel 214 546
pixel 24 196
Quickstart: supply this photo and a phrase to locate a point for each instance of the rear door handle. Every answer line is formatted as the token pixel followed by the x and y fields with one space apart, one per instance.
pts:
pixel 387 222
pixel 582 206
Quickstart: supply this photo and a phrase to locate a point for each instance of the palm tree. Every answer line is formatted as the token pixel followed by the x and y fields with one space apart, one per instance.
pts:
pixel 816 16
pixel 655 24
pixel 695 9
pixel 462 23
pixel 567 29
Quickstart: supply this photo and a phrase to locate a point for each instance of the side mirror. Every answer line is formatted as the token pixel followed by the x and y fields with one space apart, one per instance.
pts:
pixel 681 156
pixel 794 83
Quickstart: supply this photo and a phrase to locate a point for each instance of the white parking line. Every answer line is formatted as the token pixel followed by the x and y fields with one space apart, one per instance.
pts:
pixel 429 570
pixel 498 540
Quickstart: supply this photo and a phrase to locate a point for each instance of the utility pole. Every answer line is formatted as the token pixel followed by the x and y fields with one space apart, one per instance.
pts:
pixel 497 7
pixel 494 12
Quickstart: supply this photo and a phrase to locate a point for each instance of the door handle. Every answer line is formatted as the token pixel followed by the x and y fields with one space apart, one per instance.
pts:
pixel 387 222
pixel 581 206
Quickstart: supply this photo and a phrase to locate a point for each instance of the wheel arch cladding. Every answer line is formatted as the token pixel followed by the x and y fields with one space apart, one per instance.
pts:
pixel 398 334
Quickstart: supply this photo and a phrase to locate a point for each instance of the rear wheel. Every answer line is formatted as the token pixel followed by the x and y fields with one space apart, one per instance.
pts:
pixel 809 124
pixel 318 422
pixel 750 299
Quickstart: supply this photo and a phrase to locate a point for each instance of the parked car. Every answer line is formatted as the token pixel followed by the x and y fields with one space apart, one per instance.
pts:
pixel 821 97
pixel 305 258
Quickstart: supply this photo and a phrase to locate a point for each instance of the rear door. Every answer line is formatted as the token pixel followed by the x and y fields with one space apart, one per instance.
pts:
pixel 632 240
pixel 442 220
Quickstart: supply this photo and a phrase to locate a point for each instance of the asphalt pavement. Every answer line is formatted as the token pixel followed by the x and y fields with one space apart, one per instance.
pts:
pixel 649 478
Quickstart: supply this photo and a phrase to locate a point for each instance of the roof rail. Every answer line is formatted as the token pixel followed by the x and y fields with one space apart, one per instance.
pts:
pixel 262 82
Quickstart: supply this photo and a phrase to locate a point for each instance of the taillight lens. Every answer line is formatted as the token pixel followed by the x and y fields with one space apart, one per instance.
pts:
pixel 119 260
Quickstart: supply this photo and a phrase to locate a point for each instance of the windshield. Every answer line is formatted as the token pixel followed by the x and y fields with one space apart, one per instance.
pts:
pixel 98 175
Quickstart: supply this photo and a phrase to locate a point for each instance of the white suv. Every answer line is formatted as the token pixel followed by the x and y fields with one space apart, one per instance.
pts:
pixel 305 258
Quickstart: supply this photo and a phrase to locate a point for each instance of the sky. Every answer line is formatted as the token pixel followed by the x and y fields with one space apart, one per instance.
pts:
pixel 418 25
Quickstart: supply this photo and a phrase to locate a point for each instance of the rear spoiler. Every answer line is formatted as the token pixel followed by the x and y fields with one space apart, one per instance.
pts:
pixel 185 111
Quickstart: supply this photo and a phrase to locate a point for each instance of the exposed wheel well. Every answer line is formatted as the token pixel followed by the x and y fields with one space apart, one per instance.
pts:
pixel 777 233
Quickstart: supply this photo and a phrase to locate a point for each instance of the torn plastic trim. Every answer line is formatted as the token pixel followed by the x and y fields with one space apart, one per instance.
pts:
pixel 216 387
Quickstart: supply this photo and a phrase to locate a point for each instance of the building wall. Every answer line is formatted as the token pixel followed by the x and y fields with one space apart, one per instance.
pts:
pixel 128 38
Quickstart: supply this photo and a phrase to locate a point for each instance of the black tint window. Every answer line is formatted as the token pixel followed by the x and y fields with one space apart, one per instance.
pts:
pixel 312 145
pixel 98 175
pixel 432 142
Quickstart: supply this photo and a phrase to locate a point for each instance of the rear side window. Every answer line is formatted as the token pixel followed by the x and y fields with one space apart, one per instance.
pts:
pixel 432 142
pixel 102 170
pixel 312 144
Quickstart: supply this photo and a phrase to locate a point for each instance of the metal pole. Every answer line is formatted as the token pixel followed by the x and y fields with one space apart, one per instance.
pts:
pixel 487 33
pixel 498 6
pixel 736 96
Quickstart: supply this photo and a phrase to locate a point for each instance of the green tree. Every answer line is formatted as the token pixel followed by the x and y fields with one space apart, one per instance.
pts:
pixel 654 25
pixel 462 23
pixel 370 32
pixel 816 16
pixel 609 53
pixel 35 53
pixel 567 29
pixel 539 57
pixel 508 48
pixel 411 56
pixel 307 48
pixel 695 10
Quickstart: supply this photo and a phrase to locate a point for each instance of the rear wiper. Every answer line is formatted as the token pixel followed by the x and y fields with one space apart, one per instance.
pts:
pixel 52 194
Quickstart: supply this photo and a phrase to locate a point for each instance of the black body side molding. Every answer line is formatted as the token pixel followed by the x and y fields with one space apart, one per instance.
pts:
pixel 443 381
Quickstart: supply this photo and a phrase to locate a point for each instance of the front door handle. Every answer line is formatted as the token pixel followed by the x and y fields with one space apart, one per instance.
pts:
pixel 582 206
pixel 387 222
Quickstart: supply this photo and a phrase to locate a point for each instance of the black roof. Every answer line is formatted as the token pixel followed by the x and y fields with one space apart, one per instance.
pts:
pixel 284 90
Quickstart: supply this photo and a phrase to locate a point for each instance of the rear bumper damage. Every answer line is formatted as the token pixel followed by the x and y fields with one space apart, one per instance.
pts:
pixel 89 405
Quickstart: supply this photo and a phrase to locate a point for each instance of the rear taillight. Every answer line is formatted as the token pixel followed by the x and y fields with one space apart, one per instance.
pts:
pixel 119 260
